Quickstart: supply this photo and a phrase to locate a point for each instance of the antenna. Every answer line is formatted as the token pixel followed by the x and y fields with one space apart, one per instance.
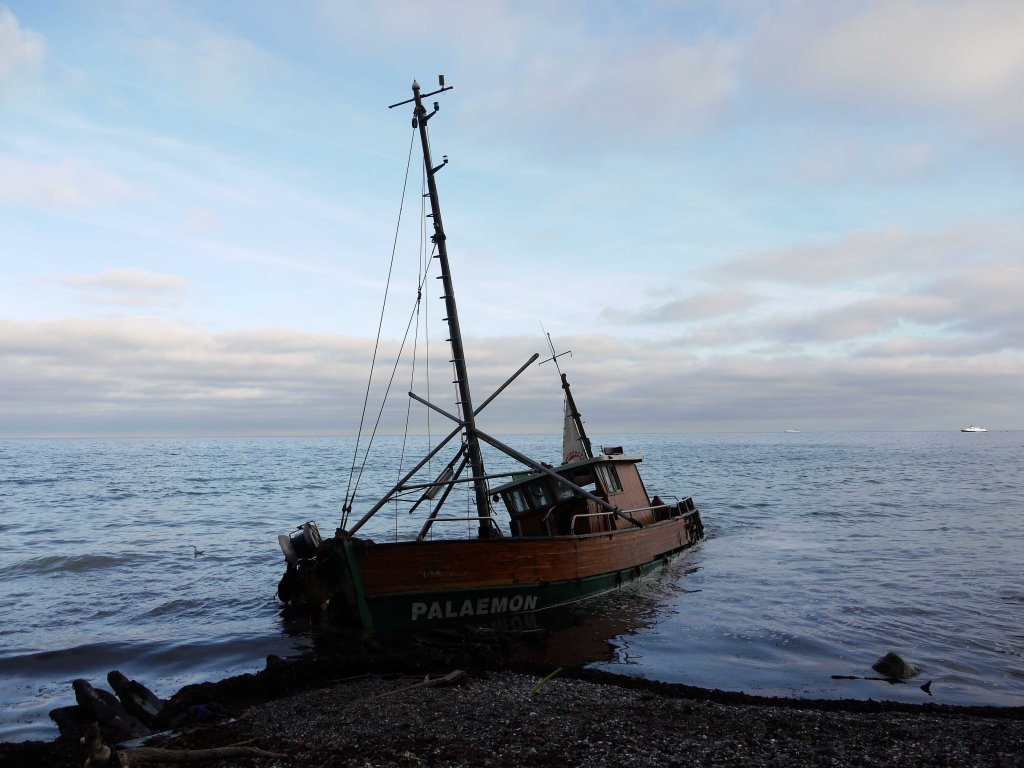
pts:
pixel 570 403
pixel 554 355
pixel 416 87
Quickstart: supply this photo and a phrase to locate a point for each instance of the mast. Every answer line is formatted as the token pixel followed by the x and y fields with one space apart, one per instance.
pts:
pixel 420 118
pixel 576 417
pixel 570 403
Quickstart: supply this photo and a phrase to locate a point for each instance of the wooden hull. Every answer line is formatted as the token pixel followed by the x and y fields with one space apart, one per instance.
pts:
pixel 423 584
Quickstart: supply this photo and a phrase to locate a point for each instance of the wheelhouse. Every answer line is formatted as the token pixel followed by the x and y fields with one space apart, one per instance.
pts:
pixel 542 504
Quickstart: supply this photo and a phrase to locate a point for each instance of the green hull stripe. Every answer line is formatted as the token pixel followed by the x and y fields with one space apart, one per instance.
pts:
pixel 414 610
pixel 365 614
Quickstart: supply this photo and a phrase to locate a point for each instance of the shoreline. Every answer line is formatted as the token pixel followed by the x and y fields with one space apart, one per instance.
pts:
pixel 372 709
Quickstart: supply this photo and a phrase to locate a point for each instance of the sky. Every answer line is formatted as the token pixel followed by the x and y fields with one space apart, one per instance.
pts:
pixel 736 216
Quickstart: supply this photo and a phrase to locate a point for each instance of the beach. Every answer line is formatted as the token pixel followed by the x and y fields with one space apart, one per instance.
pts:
pixel 388 710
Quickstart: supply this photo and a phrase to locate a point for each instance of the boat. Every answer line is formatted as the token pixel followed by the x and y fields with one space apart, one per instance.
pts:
pixel 793 430
pixel 973 428
pixel 570 531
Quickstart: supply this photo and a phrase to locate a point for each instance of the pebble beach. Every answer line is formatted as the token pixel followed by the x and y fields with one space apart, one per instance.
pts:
pixel 333 714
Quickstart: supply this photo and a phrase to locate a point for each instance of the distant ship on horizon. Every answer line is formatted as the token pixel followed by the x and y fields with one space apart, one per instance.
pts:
pixel 973 428
pixel 792 430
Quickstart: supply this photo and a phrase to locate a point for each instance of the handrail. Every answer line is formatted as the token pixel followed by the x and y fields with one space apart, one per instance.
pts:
pixel 469 519
pixel 461 519
pixel 674 510
pixel 572 521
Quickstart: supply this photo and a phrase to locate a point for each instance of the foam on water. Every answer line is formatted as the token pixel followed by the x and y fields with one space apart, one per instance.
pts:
pixel 823 552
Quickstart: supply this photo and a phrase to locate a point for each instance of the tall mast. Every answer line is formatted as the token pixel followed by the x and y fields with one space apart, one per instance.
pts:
pixel 476 460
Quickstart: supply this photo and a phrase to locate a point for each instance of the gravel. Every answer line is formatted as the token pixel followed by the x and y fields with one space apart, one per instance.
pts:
pixel 500 719
pixel 374 711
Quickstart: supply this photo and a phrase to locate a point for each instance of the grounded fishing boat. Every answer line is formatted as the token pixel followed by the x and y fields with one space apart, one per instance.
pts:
pixel 578 529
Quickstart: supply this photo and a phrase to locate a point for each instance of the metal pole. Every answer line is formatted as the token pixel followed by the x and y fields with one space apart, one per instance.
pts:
pixel 458 353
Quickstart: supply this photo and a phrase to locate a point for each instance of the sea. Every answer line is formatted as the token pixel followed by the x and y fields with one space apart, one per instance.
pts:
pixel 824 551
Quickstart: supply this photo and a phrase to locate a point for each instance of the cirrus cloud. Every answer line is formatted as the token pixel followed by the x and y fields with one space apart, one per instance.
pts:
pixel 61 184
pixel 21 50
pixel 131 287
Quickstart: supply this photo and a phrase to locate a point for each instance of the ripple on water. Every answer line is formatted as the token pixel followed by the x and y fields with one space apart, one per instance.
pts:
pixel 822 553
pixel 69 564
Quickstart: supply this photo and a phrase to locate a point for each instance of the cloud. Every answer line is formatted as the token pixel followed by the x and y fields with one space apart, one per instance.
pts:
pixel 964 59
pixel 699 306
pixel 878 254
pixel 857 293
pixel 201 220
pixel 21 50
pixel 563 75
pixel 129 287
pixel 986 302
pixel 657 89
pixel 208 63
pixel 852 322
pixel 472 28
pixel 973 309
pixel 142 376
pixel 67 184
pixel 831 161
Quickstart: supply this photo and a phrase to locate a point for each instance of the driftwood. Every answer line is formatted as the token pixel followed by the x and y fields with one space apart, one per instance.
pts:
pixel 927 687
pixel 104 707
pixel 138 700
pixel 101 756
pixel 452 678
pixel 543 682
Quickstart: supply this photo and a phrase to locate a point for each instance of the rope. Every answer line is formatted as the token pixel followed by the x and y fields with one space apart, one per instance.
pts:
pixel 383 402
pixel 346 508
pixel 421 271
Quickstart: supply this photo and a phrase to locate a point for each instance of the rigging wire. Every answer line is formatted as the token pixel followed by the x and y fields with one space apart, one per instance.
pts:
pixel 383 402
pixel 421 272
pixel 346 507
pixel 408 404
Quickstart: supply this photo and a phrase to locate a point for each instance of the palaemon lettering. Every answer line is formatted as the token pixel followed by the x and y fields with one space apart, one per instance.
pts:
pixel 482 606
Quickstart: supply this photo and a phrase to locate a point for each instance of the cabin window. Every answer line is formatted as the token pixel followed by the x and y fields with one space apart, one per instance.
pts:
pixel 539 495
pixel 584 480
pixel 517 500
pixel 609 478
pixel 563 491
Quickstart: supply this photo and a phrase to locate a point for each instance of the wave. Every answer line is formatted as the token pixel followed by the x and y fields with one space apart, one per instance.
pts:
pixel 47 564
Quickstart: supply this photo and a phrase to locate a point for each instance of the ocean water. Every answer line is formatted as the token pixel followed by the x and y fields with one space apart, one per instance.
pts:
pixel 823 552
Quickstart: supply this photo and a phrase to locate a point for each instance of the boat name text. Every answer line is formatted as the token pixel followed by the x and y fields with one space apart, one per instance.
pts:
pixel 482 606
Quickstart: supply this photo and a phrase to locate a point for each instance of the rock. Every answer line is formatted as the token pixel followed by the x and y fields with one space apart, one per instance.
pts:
pixel 138 700
pixel 105 708
pixel 893 665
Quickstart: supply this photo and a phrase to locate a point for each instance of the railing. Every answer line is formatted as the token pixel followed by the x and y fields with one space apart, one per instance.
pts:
pixel 469 519
pixel 572 522
pixel 664 511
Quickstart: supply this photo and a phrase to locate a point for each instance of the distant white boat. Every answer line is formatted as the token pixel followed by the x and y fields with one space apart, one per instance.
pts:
pixel 973 428
pixel 792 430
